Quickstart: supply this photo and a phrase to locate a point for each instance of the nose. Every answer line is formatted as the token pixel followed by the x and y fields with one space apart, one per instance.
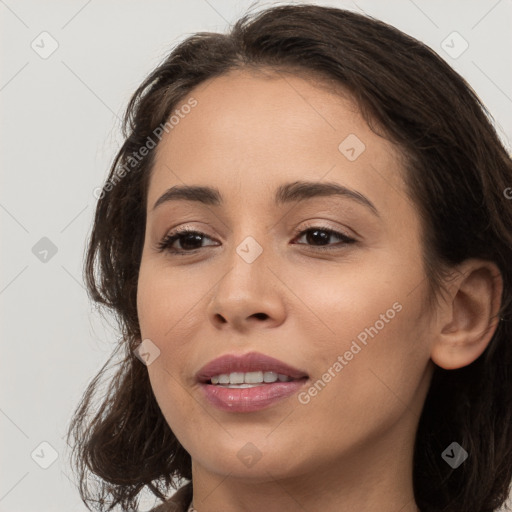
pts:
pixel 249 295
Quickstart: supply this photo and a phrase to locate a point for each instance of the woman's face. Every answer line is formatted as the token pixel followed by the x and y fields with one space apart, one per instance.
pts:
pixel 350 315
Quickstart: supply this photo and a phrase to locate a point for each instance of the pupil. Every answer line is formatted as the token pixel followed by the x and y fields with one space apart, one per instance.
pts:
pixel 312 235
pixel 190 238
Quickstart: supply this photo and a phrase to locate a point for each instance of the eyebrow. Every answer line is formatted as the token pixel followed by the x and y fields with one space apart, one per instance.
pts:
pixel 286 193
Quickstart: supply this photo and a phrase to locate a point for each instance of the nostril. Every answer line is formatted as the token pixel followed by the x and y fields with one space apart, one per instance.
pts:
pixel 221 319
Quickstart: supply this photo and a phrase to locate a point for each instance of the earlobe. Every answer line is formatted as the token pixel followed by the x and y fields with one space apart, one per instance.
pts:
pixel 470 315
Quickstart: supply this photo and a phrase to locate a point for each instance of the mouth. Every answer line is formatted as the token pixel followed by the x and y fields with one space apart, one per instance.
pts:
pixel 249 382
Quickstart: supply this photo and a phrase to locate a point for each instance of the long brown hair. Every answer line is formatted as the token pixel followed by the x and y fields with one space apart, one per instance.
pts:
pixel 457 172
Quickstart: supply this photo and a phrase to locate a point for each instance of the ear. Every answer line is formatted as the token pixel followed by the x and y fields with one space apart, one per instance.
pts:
pixel 469 317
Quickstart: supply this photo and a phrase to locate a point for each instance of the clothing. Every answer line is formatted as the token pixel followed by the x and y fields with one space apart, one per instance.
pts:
pixel 179 502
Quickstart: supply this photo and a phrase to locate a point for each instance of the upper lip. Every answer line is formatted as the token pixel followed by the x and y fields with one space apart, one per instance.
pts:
pixel 250 362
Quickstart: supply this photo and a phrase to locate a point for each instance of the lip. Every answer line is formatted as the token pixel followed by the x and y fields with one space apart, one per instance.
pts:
pixel 250 399
pixel 250 362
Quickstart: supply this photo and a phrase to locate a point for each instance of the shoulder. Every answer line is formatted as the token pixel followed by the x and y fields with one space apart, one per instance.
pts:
pixel 178 502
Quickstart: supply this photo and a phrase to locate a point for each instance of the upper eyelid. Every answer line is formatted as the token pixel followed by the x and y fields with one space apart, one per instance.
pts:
pixel 315 223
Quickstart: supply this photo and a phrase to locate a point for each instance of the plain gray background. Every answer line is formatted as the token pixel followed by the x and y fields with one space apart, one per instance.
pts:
pixel 60 131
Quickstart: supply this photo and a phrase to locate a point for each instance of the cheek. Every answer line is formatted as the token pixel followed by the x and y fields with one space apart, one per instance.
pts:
pixel 168 304
pixel 169 311
pixel 337 303
pixel 159 318
pixel 368 344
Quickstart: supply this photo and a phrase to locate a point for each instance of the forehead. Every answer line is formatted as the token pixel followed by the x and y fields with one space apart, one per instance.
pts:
pixel 251 131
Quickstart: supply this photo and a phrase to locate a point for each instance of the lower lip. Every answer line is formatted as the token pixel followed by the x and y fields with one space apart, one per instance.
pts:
pixel 250 399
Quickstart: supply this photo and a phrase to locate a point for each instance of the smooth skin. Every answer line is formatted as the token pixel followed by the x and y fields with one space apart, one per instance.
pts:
pixel 304 300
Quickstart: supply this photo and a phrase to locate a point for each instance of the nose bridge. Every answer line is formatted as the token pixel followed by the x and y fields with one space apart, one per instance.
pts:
pixel 251 242
pixel 247 288
pixel 247 263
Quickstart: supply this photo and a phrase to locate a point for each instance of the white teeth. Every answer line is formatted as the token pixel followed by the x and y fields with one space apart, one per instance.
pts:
pixel 236 378
pixel 272 377
pixel 252 378
pixel 242 378
pixel 223 379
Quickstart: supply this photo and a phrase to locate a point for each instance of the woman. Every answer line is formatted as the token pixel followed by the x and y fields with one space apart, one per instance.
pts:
pixel 306 238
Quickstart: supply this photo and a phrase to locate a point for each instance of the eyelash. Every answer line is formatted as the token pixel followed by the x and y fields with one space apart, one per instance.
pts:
pixel 168 240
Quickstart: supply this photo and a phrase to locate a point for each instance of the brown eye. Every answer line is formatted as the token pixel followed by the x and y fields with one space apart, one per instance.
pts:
pixel 188 240
pixel 318 236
